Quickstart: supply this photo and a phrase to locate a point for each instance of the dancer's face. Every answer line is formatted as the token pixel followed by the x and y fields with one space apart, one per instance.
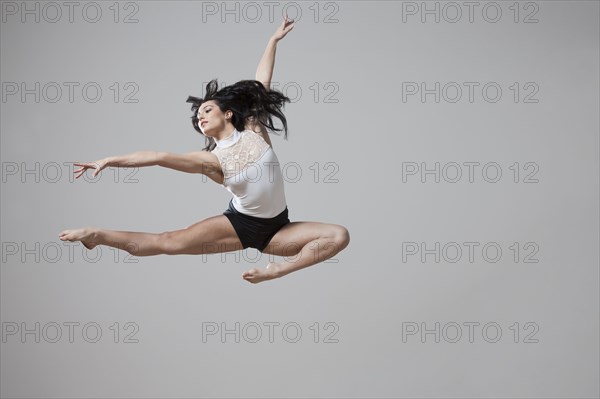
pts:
pixel 211 119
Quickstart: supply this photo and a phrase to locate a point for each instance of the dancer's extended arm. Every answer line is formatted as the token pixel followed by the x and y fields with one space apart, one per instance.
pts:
pixel 264 72
pixel 193 162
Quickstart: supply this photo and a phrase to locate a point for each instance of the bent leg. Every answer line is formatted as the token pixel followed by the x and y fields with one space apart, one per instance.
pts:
pixel 211 235
pixel 307 243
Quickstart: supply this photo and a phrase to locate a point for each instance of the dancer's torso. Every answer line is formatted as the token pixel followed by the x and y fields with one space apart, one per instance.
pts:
pixel 252 174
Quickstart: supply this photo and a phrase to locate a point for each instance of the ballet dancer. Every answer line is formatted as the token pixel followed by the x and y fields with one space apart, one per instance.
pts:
pixel 238 156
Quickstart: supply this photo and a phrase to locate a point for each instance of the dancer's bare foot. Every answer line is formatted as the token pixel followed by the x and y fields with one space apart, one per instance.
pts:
pixel 87 236
pixel 270 272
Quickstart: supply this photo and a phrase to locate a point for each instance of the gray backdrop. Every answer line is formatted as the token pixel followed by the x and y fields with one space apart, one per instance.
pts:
pixel 457 142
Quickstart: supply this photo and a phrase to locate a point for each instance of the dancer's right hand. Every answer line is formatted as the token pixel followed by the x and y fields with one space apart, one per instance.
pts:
pixel 98 165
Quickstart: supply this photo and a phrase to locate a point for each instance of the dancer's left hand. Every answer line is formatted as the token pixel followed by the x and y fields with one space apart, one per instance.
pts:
pixel 286 26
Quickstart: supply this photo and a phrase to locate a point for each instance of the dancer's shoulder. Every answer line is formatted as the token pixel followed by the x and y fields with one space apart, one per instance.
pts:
pixel 260 131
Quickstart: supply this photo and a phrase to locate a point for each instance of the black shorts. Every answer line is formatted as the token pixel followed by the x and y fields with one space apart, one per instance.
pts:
pixel 255 232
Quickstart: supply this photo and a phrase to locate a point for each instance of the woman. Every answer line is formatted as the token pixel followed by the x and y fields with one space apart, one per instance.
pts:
pixel 239 156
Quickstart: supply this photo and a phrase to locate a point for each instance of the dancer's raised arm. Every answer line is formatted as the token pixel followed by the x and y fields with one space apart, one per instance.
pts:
pixel 264 72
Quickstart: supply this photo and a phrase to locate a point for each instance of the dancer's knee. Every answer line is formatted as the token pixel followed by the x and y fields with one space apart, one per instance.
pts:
pixel 170 243
pixel 341 237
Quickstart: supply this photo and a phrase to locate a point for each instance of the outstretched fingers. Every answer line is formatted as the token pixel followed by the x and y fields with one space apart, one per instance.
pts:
pixel 286 26
pixel 98 166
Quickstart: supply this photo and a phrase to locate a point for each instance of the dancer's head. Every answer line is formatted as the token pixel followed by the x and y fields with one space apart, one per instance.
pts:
pixel 211 118
pixel 232 106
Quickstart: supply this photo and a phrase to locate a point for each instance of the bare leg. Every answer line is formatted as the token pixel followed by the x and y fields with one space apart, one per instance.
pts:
pixel 211 235
pixel 308 243
pixel 138 244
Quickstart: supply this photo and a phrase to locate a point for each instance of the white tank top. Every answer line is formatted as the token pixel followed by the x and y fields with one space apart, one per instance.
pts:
pixel 252 174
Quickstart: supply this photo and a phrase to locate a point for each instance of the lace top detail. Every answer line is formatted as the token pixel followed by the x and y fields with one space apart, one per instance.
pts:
pixel 248 149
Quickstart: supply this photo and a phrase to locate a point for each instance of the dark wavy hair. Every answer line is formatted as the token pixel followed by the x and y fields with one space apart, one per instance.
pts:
pixel 247 99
